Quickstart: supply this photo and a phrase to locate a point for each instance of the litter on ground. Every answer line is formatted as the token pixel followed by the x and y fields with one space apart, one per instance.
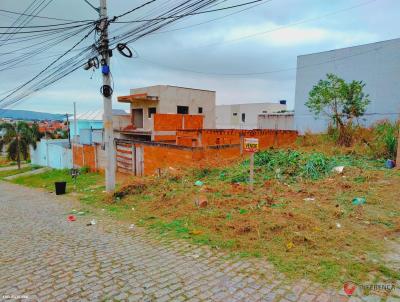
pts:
pixel 358 201
pixel 338 169
pixel 198 183
pixel 71 218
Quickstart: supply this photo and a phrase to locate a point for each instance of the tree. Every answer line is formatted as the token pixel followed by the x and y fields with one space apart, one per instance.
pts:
pixel 341 102
pixel 18 138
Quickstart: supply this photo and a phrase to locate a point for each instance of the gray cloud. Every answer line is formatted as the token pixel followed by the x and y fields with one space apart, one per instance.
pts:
pixel 183 49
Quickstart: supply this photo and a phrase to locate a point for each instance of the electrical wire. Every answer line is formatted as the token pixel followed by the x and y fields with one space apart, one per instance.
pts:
pixel 376 49
pixel 192 14
pixel 34 16
pixel 4 99
pixel 49 25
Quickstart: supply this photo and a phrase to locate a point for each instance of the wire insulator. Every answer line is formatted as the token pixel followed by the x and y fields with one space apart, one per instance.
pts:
pixel 127 53
pixel 106 90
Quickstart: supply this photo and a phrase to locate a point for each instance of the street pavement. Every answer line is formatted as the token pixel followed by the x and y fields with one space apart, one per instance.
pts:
pixel 44 257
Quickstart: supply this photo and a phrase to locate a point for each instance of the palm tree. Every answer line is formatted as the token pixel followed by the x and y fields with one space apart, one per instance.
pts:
pixel 17 138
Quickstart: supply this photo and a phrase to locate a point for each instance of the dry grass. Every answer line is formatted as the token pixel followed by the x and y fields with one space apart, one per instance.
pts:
pixel 300 237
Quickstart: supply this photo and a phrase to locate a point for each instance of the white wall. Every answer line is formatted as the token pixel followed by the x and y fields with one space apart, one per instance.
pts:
pixel 276 121
pixel 226 119
pixel 376 64
pixel 52 153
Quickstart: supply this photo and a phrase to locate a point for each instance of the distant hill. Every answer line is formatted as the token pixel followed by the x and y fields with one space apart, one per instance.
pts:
pixel 29 115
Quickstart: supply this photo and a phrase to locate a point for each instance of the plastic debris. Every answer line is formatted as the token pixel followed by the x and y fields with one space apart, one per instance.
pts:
pixel 358 201
pixel 92 222
pixel 338 225
pixel 390 164
pixel 338 169
pixel 198 183
pixel 309 199
pixel 133 209
pixel 132 227
pixel 71 218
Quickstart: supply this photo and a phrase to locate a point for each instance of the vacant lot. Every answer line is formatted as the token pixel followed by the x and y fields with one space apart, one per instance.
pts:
pixel 302 216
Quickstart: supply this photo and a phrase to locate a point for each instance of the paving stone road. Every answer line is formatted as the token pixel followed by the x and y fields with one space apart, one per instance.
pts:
pixel 43 257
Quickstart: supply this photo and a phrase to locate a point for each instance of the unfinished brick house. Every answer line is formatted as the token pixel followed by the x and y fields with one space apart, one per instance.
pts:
pixel 158 111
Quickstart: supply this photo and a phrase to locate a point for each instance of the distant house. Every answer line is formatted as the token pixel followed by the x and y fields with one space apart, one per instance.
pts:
pixel 245 116
pixel 376 64
pixel 158 111
pixel 94 120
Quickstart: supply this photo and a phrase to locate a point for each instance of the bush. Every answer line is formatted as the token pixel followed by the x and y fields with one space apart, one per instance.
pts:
pixel 386 134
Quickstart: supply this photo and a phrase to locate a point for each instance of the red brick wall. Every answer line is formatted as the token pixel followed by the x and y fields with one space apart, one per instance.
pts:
pixel 85 156
pixel 172 122
pixel 267 138
pixel 156 157
pixel 162 157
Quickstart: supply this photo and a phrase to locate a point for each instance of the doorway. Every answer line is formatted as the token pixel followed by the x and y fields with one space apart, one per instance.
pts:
pixel 137 118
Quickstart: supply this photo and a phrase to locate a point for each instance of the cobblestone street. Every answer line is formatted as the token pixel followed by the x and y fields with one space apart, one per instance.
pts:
pixel 44 257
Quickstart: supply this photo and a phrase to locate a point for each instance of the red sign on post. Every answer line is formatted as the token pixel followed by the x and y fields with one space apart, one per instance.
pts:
pixel 251 144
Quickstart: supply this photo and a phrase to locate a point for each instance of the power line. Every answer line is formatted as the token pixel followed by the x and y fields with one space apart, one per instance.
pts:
pixel 286 26
pixel 49 25
pixel 212 20
pixel 262 72
pixel 35 16
pixel 45 30
pixel 46 68
pixel 191 14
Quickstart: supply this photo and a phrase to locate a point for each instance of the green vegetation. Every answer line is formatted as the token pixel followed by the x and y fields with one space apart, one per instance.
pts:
pixel 18 138
pixel 89 185
pixel 341 102
pixel 300 215
pixel 292 166
pixel 6 173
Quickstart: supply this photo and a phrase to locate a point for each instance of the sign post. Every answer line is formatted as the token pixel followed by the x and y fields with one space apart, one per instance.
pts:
pixel 251 145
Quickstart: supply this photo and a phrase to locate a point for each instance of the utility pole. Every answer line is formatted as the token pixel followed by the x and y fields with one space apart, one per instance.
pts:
pixel 68 131
pixel 107 98
pixel 74 139
pixel 398 150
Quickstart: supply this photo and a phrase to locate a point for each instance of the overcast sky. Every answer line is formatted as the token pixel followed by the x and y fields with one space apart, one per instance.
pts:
pixel 265 39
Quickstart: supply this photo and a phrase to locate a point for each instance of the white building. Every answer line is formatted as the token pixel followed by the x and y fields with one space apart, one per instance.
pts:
pixel 280 121
pixel 245 116
pixel 376 64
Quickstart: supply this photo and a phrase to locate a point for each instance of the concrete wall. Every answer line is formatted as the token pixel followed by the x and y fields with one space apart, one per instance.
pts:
pixel 376 64
pixel 52 153
pixel 230 116
pixel 171 96
pixel 280 121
